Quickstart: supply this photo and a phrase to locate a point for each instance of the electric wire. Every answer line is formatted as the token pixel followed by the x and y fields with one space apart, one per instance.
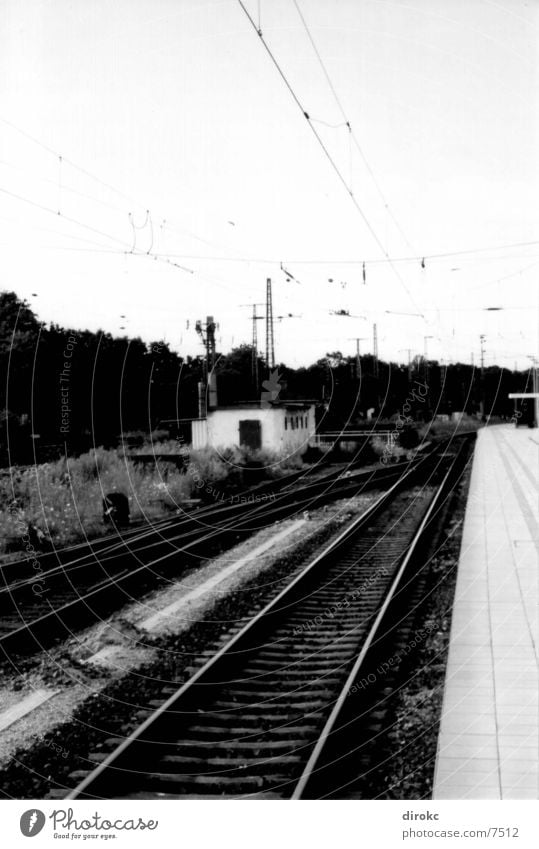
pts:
pixel 67 161
pixel 326 152
pixel 347 123
pixel 414 259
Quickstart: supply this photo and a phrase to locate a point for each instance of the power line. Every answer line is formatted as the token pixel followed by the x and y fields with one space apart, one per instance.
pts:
pixel 67 161
pixel 163 254
pixel 58 214
pixel 64 187
pixel 417 259
pixel 325 150
pixel 332 87
pixel 313 129
pixel 349 126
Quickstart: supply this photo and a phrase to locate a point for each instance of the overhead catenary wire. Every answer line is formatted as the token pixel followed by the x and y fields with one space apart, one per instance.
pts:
pixel 71 220
pixel 352 134
pixel 61 158
pixel 60 214
pixel 379 261
pixel 326 152
pixel 313 129
pixel 163 255
pixel 69 162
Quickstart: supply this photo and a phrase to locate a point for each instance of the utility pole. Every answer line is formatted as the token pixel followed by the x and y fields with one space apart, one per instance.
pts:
pixel 207 334
pixel 358 340
pixel 426 357
pixel 443 374
pixel 254 356
pixel 409 352
pixel 375 369
pixel 254 349
pixel 482 338
pixel 535 389
pixel 270 344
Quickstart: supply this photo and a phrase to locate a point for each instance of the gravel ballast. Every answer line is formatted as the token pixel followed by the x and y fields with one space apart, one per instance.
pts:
pixel 100 700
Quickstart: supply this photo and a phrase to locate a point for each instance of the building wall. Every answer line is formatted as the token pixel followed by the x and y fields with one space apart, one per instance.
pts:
pixel 199 433
pixel 296 429
pixel 223 428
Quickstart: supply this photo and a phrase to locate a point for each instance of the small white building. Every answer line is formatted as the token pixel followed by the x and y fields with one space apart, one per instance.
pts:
pixel 284 427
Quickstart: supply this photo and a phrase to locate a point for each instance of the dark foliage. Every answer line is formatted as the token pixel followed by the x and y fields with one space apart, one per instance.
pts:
pixel 73 389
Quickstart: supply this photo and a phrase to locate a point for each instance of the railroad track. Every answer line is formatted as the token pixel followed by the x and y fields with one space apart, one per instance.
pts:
pixel 122 536
pixel 88 584
pixel 284 709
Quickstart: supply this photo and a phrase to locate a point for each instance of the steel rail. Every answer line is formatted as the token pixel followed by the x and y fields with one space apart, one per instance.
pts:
pixel 314 764
pixel 242 641
pixel 154 538
pixel 61 615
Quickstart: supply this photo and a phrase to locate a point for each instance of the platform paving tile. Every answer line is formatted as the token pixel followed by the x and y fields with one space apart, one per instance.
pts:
pixel 515 774
pixel 458 792
pixel 519 793
pixel 526 712
pixel 463 701
pixel 518 696
pixel 512 743
pixel 473 779
pixel 466 746
pixel 488 744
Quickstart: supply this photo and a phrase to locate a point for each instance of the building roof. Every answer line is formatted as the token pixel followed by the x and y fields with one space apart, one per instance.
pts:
pixel 263 405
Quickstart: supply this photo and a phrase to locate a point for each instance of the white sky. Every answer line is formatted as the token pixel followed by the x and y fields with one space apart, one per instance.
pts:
pixel 176 105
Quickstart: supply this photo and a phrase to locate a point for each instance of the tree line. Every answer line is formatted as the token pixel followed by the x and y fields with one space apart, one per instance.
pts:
pixel 66 387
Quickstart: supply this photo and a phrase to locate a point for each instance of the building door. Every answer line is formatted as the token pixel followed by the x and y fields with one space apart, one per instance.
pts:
pixel 251 433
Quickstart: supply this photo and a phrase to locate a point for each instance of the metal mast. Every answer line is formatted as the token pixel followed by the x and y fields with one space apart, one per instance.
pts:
pixel 482 338
pixel 270 344
pixel 207 335
pixel 254 361
pixel 254 345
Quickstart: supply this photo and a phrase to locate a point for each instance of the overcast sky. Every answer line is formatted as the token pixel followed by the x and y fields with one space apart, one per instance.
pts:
pixel 175 107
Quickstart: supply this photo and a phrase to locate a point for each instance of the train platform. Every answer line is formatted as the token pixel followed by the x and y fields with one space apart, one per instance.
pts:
pixel 488 745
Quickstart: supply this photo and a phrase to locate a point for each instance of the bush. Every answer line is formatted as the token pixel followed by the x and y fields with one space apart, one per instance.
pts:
pixel 391 453
pixel 408 438
pixel 441 430
pixel 63 500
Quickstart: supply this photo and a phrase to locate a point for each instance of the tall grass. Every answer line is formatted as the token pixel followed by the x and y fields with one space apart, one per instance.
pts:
pixel 62 500
pixel 440 430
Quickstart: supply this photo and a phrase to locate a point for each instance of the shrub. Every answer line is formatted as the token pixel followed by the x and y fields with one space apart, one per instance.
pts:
pixel 64 499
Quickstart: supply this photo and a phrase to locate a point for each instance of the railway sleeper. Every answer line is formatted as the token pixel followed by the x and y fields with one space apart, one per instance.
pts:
pixel 294 675
pixel 240 785
pixel 235 732
pixel 311 671
pixel 261 718
pixel 308 663
pixel 257 747
pixel 228 764
pixel 317 636
pixel 305 707
pixel 303 695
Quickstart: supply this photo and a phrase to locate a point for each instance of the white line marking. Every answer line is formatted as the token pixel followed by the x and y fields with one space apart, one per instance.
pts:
pixel 103 654
pixel 152 621
pixel 27 705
